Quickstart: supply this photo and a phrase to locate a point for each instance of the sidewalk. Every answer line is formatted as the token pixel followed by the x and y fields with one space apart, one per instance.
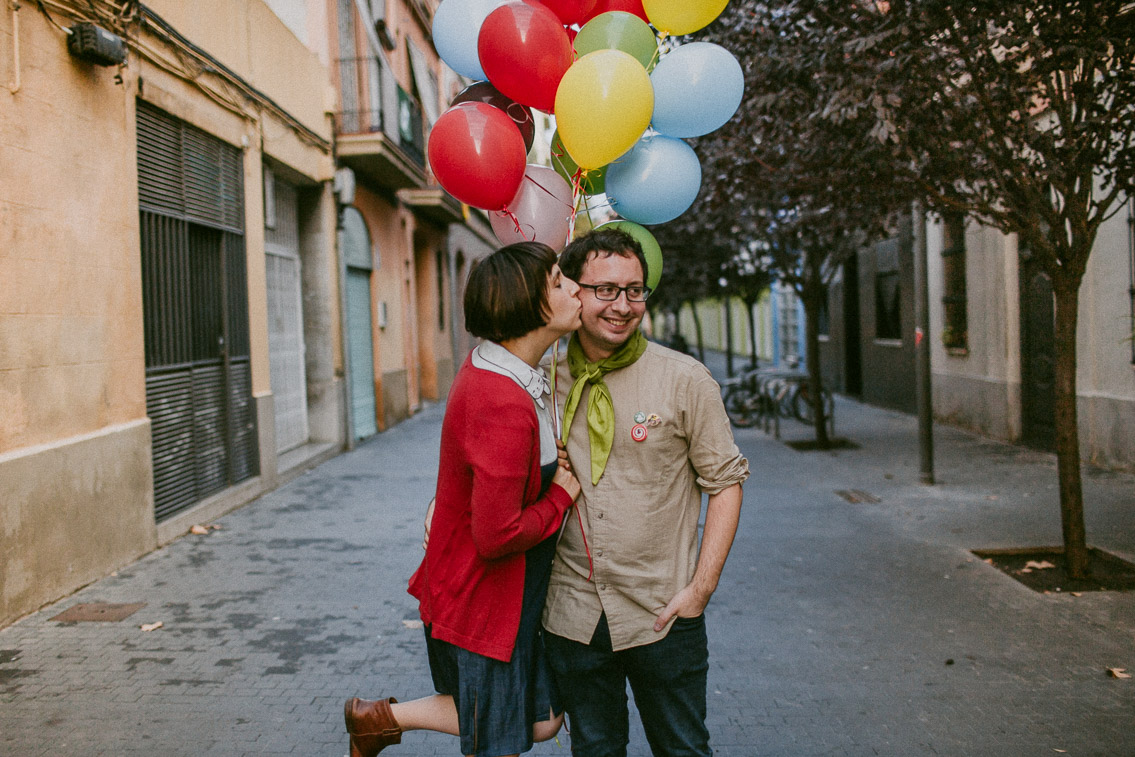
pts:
pixel 838 628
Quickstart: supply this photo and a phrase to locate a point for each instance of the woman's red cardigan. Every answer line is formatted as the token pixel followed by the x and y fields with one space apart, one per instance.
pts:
pixel 471 583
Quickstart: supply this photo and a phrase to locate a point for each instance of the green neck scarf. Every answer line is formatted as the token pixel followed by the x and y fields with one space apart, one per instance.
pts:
pixel 600 408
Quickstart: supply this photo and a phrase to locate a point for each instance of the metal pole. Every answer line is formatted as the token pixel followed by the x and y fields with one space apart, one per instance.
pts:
pixel 922 350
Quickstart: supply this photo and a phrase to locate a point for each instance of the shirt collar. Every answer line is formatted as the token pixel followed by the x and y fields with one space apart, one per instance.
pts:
pixel 491 356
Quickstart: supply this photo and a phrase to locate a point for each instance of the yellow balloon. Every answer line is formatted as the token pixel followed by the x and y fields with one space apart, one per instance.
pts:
pixel 677 17
pixel 603 105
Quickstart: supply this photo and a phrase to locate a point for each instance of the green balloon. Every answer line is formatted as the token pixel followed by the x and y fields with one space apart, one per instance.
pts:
pixel 592 183
pixel 618 30
pixel 650 248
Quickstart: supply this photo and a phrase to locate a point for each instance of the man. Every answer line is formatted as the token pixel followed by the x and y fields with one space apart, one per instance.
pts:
pixel 647 434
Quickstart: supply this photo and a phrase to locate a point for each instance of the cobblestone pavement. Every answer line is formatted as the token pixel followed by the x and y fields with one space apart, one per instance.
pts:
pixel 838 628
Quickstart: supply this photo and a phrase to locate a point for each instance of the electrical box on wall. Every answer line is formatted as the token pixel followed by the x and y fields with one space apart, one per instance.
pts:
pixel 96 45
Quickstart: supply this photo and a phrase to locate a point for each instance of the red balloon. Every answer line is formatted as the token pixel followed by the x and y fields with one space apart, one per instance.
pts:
pixel 477 154
pixel 628 6
pixel 524 52
pixel 572 11
pixel 485 92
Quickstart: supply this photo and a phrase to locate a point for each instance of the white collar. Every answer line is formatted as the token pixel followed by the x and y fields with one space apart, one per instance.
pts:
pixel 491 356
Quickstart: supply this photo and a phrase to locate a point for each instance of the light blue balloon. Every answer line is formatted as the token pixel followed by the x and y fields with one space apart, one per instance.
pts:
pixel 656 181
pixel 697 88
pixel 457 23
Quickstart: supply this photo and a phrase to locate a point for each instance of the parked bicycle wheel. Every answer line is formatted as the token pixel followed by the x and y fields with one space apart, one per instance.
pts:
pixel 741 406
pixel 802 404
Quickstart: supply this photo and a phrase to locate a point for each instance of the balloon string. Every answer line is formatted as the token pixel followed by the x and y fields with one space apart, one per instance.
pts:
pixel 516 222
pixel 577 197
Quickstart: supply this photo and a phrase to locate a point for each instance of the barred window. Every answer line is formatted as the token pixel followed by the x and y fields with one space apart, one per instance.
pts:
pixel 955 328
pixel 888 290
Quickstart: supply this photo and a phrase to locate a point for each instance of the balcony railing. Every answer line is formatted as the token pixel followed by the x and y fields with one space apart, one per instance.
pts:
pixel 364 108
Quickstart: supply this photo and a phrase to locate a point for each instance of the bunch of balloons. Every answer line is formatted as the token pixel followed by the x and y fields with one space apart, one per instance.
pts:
pixel 622 110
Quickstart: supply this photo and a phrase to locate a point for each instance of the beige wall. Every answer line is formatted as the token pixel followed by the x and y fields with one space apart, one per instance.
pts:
pixel 980 388
pixel 71 350
pixel 75 455
pixel 251 40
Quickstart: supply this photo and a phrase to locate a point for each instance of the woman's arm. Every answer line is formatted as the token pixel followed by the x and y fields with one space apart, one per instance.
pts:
pixel 501 444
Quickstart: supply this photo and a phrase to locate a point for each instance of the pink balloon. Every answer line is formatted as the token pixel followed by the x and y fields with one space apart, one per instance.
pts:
pixel 524 52
pixel 540 212
pixel 477 154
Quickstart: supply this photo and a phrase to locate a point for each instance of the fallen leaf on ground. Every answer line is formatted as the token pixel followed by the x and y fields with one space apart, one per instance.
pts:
pixel 412 623
pixel 1041 565
pixel 1118 673
pixel 1062 751
pixel 988 560
pixel 1077 594
pixel 201 530
pixel 151 626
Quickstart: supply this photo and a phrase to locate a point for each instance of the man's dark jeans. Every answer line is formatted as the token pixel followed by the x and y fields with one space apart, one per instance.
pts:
pixel 668 678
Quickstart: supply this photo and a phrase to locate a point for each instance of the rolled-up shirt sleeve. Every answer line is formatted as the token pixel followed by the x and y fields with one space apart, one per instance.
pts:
pixel 714 455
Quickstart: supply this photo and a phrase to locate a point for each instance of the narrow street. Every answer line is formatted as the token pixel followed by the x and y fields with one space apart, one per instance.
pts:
pixel 839 628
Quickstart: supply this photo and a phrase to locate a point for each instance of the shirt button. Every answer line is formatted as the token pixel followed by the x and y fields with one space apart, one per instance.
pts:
pixel 599 553
pixel 600 516
pixel 603 587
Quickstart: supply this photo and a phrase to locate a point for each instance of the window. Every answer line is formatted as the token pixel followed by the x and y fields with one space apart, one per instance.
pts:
pixel 888 291
pixel 955 326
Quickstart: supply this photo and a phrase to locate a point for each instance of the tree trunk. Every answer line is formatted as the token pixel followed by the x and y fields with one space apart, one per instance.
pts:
pixel 697 331
pixel 728 336
pixel 749 305
pixel 812 297
pixel 1067 429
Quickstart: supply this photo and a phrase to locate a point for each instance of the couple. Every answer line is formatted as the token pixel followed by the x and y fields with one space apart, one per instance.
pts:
pixel 532 607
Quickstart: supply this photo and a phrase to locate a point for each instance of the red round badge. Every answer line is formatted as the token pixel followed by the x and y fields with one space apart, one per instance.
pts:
pixel 638 432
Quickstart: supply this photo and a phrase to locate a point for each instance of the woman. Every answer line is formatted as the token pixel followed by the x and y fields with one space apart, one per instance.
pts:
pixel 502 492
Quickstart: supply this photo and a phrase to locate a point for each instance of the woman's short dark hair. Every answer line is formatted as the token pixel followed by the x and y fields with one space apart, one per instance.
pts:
pixel 507 293
pixel 600 242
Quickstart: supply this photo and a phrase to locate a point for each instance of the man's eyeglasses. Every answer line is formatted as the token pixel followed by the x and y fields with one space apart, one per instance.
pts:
pixel 610 292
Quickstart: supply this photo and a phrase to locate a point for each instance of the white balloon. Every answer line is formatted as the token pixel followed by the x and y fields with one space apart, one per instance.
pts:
pixel 456 26
pixel 697 89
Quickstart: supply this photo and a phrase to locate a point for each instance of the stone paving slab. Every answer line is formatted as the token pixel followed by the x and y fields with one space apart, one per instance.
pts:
pixel 838 629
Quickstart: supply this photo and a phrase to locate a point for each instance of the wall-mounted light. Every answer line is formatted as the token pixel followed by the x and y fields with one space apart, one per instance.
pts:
pixel 96 45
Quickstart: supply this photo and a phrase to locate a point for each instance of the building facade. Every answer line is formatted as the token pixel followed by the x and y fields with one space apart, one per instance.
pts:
pixel 222 260
pixel 407 245
pixel 991 325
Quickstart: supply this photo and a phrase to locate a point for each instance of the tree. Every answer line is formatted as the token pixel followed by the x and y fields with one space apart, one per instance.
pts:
pixel 1020 115
pixel 810 190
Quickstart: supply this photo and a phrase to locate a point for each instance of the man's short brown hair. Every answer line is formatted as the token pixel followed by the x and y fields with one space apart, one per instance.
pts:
pixel 601 242
pixel 507 293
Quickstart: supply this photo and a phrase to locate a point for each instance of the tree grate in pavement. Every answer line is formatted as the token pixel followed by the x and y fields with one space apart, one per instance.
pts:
pixel 106 612
pixel 856 496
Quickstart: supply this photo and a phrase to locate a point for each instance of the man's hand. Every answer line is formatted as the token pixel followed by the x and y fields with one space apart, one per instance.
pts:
pixel 688 603
pixel 721 515
pixel 429 522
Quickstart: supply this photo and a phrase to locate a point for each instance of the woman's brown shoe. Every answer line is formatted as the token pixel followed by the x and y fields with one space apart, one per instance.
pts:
pixel 371 726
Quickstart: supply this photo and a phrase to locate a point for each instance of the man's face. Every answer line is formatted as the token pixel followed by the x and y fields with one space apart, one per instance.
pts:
pixel 607 325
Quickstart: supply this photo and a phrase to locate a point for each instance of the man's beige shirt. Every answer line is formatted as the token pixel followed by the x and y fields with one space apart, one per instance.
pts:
pixel 641 519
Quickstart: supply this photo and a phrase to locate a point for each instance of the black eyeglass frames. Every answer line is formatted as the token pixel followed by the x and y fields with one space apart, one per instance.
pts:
pixel 610 292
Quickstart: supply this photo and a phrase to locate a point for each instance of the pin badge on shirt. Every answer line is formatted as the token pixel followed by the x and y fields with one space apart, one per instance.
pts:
pixel 638 432
pixel 653 420
pixel 640 417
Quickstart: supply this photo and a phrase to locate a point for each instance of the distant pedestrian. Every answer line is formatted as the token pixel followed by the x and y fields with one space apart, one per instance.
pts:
pixel 502 492
pixel 647 428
